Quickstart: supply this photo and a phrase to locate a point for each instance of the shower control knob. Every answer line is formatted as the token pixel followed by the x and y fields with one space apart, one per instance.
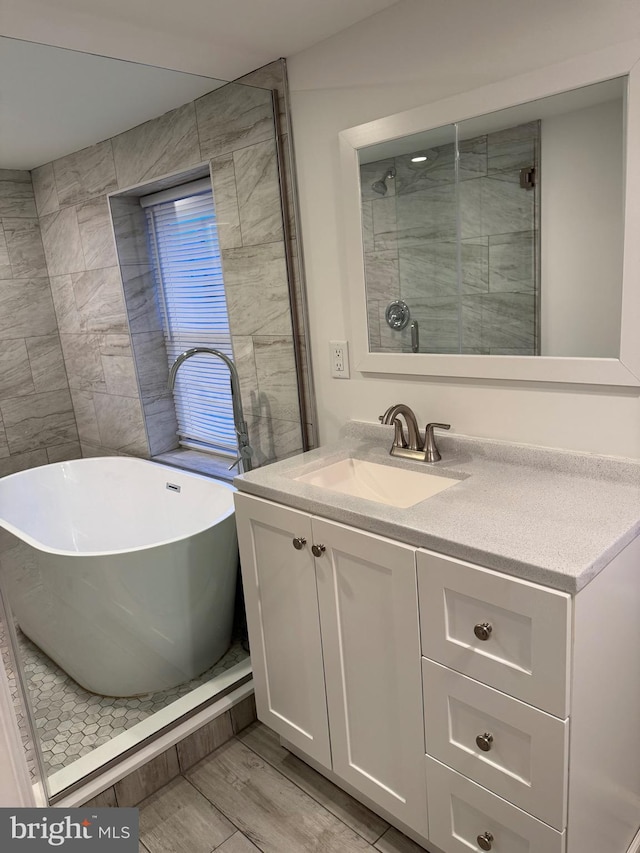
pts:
pixel 485 841
pixel 318 550
pixel 299 542
pixel 484 741
pixel 483 632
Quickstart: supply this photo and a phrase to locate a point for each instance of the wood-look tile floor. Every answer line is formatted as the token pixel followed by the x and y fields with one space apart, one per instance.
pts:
pixel 252 795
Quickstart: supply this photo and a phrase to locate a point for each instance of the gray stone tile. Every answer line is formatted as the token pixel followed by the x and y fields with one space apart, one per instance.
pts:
pixel 64 300
pixel 121 424
pixel 141 298
pixel 513 148
pixel 120 375
pixel 257 290
pixel 148 779
pixel 84 174
pixel 512 262
pixel 287 177
pixel 26 308
pixel 63 452
pixel 33 422
pixel 472 161
pixel 179 818
pixel 508 321
pixel 44 189
pixel 15 370
pixel 437 170
pixel 233 117
pixel 5 264
pixel 385 216
pixel 16 194
pixel 129 225
pixel 244 360
pixel 22 462
pixel 273 439
pixel 161 423
pixel 164 144
pixel 96 234
pixel 83 361
pixel 62 244
pixel 244 713
pixel 24 246
pixel 100 301
pixel 250 792
pixel 151 363
pixel 266 744
pixel 368 241
pixel 495 205
pixel 47 363
pixel 428 214
pixel 225 197
pixel 382 275
pixel 273 75
pixel 201 743
pixel 277 384
pixel 259 202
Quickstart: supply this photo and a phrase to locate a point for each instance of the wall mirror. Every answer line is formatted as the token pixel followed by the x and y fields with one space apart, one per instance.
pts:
pixel 486 232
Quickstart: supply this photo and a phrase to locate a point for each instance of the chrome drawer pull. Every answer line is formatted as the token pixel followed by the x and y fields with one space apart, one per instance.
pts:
pixel 484 741
pixel 485 841
pixel 299 542
pixel 483 632
pixel 318 550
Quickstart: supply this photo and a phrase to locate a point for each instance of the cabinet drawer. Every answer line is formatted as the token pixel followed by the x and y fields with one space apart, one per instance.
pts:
pixel 503 631
pixel 525 758
pixel 464 816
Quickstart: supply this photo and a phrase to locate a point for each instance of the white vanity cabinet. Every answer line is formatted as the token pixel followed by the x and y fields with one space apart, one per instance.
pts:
pixel 366 605
pixel 476 710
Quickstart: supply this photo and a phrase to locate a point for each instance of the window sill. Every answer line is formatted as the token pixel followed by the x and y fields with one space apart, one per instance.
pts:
pixel 200 463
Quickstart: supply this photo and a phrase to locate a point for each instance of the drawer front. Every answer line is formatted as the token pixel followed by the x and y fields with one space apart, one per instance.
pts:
pixel 524 757
pixel 503 631
pixel 464 816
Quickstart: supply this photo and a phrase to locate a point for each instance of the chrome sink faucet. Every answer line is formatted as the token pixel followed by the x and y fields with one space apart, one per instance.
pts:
pixel 414 447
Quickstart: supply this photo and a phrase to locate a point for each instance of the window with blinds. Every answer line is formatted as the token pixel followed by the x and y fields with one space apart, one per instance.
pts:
pixel 188 272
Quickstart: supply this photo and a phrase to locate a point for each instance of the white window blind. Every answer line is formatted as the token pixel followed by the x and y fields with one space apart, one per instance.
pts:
pixel 188 274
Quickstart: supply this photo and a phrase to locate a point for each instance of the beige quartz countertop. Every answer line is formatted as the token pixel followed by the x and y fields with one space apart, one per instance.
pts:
pixel 549 516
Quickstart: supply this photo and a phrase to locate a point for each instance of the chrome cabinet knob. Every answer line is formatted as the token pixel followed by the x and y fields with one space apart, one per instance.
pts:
pixel 484 741
pixel 299 542
pixel 318 550
pixel 485 841
pixel 483 631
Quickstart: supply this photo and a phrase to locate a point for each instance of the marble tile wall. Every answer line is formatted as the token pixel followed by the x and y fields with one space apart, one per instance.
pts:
pixel 429 229
pixel 37 422
pixel 97 258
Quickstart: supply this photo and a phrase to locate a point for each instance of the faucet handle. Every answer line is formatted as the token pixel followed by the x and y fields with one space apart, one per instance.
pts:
pixel 431 452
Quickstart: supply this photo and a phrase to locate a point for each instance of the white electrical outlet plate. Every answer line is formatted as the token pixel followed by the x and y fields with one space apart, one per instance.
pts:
pixel 339 355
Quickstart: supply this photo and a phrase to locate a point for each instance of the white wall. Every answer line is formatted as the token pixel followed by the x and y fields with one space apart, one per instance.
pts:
pixel 582 231
pixel 408 55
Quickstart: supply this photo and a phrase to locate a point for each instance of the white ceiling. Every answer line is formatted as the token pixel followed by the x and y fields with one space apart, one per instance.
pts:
pixel 55 101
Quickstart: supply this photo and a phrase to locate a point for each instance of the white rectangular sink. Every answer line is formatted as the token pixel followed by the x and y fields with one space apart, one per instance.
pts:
pixel 382 483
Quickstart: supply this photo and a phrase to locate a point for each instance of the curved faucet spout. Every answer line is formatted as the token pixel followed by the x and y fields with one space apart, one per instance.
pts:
pixel 413 432
pixel 240 424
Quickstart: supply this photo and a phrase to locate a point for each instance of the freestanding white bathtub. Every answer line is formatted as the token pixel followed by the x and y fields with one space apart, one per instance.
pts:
pixel 123 571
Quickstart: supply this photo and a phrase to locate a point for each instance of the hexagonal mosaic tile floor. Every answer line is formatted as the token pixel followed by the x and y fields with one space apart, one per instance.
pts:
pixel 70 720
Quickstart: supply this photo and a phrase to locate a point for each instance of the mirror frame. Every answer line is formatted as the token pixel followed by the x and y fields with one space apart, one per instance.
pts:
pixel 617 61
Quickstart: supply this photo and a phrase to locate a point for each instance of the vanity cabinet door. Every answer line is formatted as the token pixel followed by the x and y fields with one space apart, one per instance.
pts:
pixel 371 642
pixel 279 580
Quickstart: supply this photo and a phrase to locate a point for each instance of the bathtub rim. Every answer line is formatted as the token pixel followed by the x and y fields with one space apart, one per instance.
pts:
pixel 39 546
